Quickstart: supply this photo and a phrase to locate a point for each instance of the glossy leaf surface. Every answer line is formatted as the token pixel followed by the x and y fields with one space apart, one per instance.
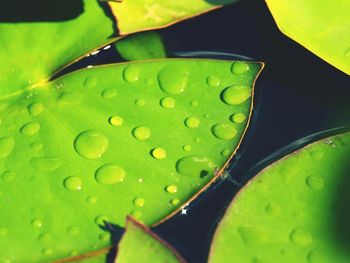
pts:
pixel 141 46
pixel 296 210
pixel 140 15
pixel 101 143
pixel 140 244
pixel 320 26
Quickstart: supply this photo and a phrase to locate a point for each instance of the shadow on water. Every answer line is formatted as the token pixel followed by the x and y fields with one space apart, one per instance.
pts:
pixel 40 10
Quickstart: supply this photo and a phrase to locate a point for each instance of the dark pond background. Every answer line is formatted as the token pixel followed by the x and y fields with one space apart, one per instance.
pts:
pixel 299 98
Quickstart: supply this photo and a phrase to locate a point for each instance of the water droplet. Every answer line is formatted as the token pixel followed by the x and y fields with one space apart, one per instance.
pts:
pixel 172 189
pixel 194 103
pixel 195 166
pixel 110 174
pixel 35 108
pixel 45 237
pixel 131 74
pixel 68 98
pixel 224 131
pixel 45 164
pixel 47 251
pixel 104 236
pixel 30 128
pixel 8 175
pixel 318 155
pixel 116 121
pixel 315 182
pixel 37 223
pixel 6 146
pixel 213 81
pixel 138 201
pixel 252 235
pixel 101 220
pixel 272 209
pixel 91 144
pixel 238 117
pixel 300 237
pixel 73 183
pixel 226 152
pixel 175 201
pixel 36 146
pixel 140 102
pixel 173 79
pixel 236 94
pixel 90 82
pixel 316 257
pixel 3 231
pixel 192 122
pixel 136 214
pixel 239 67
pixel 92 199
pixel 187 148
pixel 72 230
pixel 141 133
pixel 109 93
pixel 159 153
pixel 167 103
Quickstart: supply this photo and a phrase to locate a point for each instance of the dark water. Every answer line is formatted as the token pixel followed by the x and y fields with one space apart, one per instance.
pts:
pixel 299 98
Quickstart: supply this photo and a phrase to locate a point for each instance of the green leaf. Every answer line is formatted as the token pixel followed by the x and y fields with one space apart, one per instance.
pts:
pixel 140 244
pixel 320 26
pixel 140 15
pixel 101 143
pixel 31 52
pixel 296 210
pixel 141 46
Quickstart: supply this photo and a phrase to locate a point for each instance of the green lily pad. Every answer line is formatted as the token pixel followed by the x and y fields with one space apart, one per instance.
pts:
pixel 139 15
pixel 141 46
pixel 140 244
pixel 296 210
pixel 31 52
pixel 322 27
pixel 101 143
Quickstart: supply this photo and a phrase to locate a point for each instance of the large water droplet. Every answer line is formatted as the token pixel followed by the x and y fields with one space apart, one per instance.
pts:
pixel 141 133
pixel 73 183
pixel 30 128
pixel 159 153
pixel 236 94
pixel 224 131
pixel 131 74
pixel 110 174
pixel 315 182
pixel 35 108
pixel 167 103
pixel 300 237
pixel 175 201
pixel 6 146
pixel 240 67
pixel 195 166
pixel 192 122
pixel 45 164
pixel 91 144
pixel 213 81
pixel 173 79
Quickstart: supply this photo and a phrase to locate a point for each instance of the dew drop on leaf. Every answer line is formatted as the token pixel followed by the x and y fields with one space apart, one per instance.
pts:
pixel 91 144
